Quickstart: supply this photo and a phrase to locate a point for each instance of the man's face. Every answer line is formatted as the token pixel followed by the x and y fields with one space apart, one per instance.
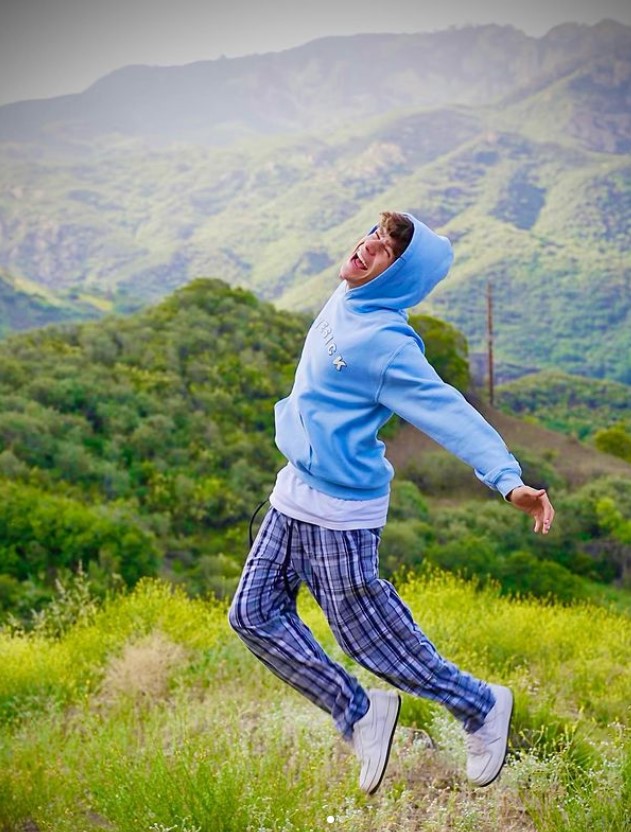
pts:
pixel 369 258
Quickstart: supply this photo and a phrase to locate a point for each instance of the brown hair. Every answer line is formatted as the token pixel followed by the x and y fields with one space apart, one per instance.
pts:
pixel 399 228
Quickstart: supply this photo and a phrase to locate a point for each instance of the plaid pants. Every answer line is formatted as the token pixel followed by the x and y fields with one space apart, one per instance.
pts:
pixel 367 617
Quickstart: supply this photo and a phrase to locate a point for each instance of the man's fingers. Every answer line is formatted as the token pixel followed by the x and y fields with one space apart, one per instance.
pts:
pixel 548 513
pixel 536 503
pixel 542 511
pixel 540 525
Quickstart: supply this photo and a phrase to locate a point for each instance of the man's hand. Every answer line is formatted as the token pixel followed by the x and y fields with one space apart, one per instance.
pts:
pixel 534 502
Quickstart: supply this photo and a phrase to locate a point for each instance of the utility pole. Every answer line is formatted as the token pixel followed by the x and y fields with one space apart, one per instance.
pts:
pixel 489 339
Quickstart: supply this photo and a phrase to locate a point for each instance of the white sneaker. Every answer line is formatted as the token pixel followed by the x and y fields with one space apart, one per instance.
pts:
pixel 486 747
pixel 372 737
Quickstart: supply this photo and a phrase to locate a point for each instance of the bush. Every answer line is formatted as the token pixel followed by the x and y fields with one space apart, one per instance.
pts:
pixel 42 533
pixel 469 556
pixel 446 349
pixel 406 502
pixel 439 474
pixel 403 545
pixel 522 573
pixel 615 440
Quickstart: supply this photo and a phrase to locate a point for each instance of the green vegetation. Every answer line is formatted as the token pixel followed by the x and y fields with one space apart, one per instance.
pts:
pixel 134 450
pixel 24 305
pixel 446 348
pixel 615 440
pixel 140 446
pixel 587 551
pixel 570 404
pixel 148 713
pixel 141 440
pixel 595 410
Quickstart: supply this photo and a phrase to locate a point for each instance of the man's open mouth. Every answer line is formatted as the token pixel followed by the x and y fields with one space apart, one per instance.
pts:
pixel 356 260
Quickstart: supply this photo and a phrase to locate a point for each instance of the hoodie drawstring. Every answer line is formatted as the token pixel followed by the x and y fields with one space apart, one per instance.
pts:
pixel 252 519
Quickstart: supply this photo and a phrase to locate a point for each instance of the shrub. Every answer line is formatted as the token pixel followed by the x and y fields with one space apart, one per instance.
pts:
pixel 615 440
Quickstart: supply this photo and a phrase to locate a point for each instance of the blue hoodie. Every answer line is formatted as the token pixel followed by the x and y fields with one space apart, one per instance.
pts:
pixel 361 363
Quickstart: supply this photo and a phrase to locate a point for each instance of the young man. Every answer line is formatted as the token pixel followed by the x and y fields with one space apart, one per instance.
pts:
pixel 362 362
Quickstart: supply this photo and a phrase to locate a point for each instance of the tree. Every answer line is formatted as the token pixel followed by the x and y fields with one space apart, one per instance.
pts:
pixel 446 349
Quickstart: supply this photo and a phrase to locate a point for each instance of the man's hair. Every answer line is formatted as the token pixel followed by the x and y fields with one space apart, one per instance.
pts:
pixel 399 228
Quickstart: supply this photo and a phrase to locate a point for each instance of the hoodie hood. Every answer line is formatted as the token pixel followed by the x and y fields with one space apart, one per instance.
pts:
pixel 411 277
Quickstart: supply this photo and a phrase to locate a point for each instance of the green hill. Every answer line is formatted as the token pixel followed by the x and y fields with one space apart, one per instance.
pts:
pixel 154 428
pixel 27 306
pixel 141 445
pixel 569 404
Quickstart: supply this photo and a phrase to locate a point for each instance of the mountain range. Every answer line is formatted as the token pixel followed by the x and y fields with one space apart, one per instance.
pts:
pixel 264 170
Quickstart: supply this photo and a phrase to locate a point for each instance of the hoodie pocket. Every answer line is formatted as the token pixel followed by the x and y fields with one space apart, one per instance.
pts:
pixel 292 438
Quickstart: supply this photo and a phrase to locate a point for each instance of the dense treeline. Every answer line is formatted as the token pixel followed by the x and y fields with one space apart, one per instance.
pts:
pixel 571 404
pixel 165 418
pixel 141 445
pixel 590 545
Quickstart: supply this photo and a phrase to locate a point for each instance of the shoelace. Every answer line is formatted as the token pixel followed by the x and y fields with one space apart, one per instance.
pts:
pixel 476 743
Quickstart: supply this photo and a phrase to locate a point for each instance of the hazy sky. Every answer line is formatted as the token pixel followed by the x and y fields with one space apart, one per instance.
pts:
pixel 52 47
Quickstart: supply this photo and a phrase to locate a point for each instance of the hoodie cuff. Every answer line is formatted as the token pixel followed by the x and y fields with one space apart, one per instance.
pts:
pixel 507 482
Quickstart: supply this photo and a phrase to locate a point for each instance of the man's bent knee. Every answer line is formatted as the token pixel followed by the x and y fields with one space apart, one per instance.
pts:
pixel 244 618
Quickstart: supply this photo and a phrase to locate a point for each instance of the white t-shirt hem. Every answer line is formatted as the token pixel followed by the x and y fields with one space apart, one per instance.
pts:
pixel 294 498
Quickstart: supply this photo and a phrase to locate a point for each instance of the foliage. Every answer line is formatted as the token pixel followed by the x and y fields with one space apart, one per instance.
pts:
pixel 615 440
pixel 571 404
pixel 438 474
pixel 41 533
pixel 74 604
pixel 533 190
pixel 143 443
pixel 406 502
pixel 484 539
pixel 141 440
pixel 614 521
pixel 447 349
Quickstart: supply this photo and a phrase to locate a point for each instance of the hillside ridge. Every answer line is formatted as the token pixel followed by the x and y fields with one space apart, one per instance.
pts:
pixel 576 462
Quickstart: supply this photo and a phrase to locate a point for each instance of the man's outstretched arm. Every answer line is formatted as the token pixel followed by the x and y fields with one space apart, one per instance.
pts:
pixel 414 390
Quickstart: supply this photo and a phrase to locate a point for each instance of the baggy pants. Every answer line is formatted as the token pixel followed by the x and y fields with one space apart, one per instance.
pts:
pixel 367 617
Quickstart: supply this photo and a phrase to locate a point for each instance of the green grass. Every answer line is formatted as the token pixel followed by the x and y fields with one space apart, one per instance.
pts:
pixel 151 715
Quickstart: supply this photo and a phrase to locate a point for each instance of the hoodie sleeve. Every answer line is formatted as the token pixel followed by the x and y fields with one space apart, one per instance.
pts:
pixel 412 389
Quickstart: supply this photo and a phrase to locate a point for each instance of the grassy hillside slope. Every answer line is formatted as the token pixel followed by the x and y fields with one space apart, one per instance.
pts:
pixel 150 714
pixel 25 305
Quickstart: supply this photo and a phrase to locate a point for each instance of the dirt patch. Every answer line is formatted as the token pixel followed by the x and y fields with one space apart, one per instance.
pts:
pixel 142 671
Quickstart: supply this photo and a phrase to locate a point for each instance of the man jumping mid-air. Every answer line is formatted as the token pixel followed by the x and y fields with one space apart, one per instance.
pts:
pixel 361 363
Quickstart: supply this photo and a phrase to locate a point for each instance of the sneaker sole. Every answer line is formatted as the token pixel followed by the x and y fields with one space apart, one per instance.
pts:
pixel 387 757
pixel 499 771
